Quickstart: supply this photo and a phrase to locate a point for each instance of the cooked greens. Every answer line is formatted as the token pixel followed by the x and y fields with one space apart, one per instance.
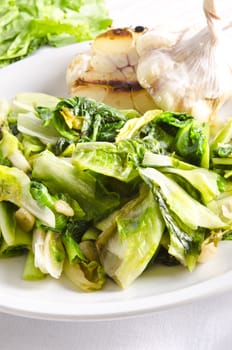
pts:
pixel 91 191
pixel 131 239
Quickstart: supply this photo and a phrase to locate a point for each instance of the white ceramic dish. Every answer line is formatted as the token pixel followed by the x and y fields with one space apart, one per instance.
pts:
pixel 158 288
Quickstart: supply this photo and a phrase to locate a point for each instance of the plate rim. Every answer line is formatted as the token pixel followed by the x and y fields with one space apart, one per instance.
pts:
pixel 164 301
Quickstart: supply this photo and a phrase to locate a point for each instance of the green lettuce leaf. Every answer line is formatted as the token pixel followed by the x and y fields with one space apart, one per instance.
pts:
pixel 15 188
pixel 83 119
pixel 87 276
pixel 60 176
pixel 27 25
pixel 189 210
pixel 131 238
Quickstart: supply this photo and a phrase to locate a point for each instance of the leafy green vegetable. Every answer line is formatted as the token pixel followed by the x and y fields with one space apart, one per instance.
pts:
pixel 73 250
pixel 222 205
pixel 185 243
pixel 31 145
pixel 93 200
pixel 105 158
pixel 25 26
pixel 27 101
pixel 29 124
pixel 15 188
pixel 221 150
pixel 48 252
pixel 160 160
pixel 185 218
pixel 206 182
pixel 30 272
pixel 133 125
pixel 137 227
pixel 118 160
pixel 192 143
pixel 189 210
pixel 223 137
pixel 7 222
pixel 10 149
pixel 203 184
pixel 61 176
pixel 164 258
pixel 164 128
pixel 19 244
pixel 227 236
pixel 82 119
pixel 88 276
pixel 42 196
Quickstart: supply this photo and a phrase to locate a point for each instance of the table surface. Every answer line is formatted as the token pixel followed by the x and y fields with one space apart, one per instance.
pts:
pixel 201 325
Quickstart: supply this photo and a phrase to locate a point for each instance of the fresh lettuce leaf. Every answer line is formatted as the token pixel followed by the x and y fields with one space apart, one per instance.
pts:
pixel 27 25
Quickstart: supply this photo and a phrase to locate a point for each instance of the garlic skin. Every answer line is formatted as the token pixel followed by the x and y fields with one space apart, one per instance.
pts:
pixel 190 72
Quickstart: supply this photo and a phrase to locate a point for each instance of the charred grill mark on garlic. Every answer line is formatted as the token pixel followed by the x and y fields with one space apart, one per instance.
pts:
pixel 114 84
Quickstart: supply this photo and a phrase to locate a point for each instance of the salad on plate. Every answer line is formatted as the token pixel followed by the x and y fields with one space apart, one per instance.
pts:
pixel 94 192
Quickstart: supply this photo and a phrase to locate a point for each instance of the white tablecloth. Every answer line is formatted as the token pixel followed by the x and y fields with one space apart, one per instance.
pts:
pixel 202 325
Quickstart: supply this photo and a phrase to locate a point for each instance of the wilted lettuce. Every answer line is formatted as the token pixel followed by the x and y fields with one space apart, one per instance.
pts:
pixel 129 241
pixel 109 192
pixel 186 219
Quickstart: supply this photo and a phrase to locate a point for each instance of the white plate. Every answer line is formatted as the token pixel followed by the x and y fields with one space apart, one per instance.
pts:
pixel 158 288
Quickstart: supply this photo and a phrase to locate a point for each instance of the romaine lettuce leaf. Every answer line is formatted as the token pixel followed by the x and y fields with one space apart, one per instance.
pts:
pixel 15 188
pixel 82 119
pixel 60 176
pixel 27 25
pixel 185 243
pixel 190 211
pixel 129 241
pixel 192 143
pixel 87 276
pixel 20 243
pixel 105 158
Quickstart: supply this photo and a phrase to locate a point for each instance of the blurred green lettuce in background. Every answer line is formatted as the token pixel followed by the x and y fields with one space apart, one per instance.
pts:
pixel 26 25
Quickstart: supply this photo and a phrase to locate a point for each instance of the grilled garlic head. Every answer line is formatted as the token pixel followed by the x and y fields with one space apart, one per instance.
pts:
pixel 188 72
pixel 184 71
pixel 107 72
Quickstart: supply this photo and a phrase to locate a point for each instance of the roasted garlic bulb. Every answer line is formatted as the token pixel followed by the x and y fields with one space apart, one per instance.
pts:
pixel 188 72
pixel 107 72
